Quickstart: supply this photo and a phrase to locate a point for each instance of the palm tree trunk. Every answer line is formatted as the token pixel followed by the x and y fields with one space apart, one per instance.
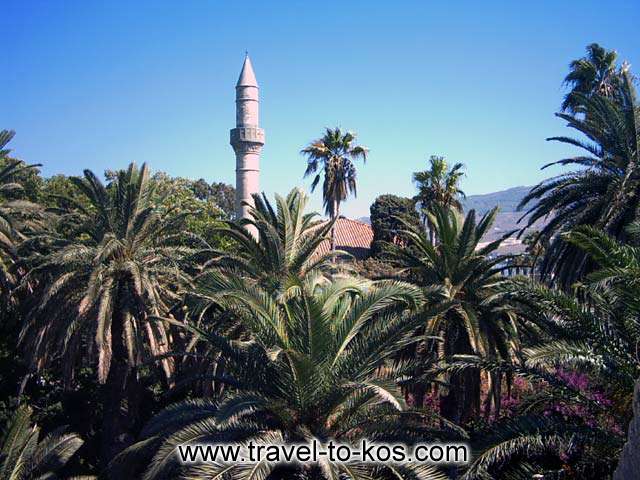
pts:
pixel 461 402
pixel 336 214
pixel 121 394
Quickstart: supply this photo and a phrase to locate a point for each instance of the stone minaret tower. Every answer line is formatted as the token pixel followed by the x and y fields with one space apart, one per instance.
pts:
pixel 247 139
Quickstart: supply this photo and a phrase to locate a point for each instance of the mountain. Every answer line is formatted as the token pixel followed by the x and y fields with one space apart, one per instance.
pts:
pixel 508 215
pixel 507 200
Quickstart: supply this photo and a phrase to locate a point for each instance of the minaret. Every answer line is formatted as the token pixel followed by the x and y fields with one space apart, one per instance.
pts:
pixel 247 139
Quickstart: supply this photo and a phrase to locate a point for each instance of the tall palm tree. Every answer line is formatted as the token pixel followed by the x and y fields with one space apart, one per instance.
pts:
pixel 594 74
pixel 438 186
pixel 466 276
pixel 99 288
pixel 317 364
pixel 602 190
pixel 26 456
pixel 333 155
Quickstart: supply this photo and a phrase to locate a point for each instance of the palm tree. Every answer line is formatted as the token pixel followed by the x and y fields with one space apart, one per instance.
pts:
pixel 333 154
pixel 317 364
pixel 283 253
pixel 285 245
pixel 99 288
pixel 601 191
pixel 466 275
pixel 439 186
pixel 25 456
pixel 594 74
pixel 16 215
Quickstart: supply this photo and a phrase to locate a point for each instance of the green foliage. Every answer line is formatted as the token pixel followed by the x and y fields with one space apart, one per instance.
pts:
pixel 317 363
pixel 333 156
pixel 193 208
pixel 283 250
pixel 58 188
pixel 122 263
pixel 18 215
pixel 595 74
pixel 389 215
pixel 334 153
pixel 376 269
pixel 465 275
pixel 594 330
pixel 602 191
pixel 25 456
pixel 439 185
pixel 104 287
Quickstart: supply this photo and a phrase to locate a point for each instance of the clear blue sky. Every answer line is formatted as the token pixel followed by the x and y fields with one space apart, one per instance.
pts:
pixel 96 85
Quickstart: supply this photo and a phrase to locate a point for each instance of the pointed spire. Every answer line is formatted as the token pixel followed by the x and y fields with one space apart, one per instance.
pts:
pixel 247 77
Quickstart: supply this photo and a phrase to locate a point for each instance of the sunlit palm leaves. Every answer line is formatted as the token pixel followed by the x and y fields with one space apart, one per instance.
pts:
pixel 122 266
pixel 438 186
pixel 284 248
pixel 516 449
pixel 594 74
pixel 333 155
pixel 16 214
pixel 598 328
pixel 318 363
pixel 602 191
pixel 26 456
pixel 594 330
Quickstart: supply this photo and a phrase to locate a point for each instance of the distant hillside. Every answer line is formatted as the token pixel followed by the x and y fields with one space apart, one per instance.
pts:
pixel 508 216
pixel 507 200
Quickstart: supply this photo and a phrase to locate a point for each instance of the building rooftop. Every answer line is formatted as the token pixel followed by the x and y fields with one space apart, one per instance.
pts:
pixel 352 236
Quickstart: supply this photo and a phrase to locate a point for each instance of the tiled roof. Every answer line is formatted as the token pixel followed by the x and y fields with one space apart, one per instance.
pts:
pixel 351 236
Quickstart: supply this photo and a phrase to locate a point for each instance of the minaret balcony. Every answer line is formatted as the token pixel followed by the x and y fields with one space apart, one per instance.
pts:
pixel 241 135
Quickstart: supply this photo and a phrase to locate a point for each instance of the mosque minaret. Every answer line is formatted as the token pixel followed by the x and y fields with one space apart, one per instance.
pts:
pixel 247 139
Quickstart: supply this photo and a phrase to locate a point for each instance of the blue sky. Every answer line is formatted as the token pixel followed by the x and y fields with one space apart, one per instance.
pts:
pixel 99 84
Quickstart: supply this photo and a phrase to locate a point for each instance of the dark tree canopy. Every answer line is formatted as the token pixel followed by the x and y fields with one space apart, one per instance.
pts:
pixel 390 215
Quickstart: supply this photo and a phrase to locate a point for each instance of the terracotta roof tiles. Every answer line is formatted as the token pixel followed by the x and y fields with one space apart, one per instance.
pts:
pixel 351 236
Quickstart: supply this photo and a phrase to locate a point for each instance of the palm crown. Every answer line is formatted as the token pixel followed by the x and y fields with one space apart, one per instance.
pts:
pixel 26 456
pixel 334 154
pixel 285 244
pixel 14 214
pixel 602 191
pixel 318 365
pixel 439 185
pixel 594 74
